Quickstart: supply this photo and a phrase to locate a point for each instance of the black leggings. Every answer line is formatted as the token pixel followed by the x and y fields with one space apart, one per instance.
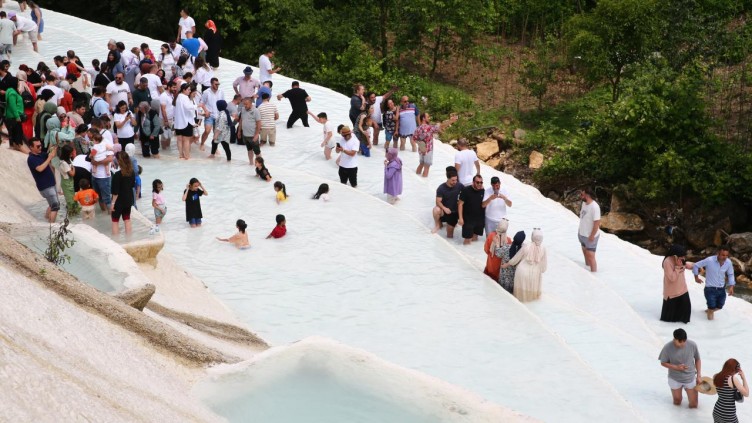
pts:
pixel 298 114
pixel 15 132
pixel 149 147
pixel 226 147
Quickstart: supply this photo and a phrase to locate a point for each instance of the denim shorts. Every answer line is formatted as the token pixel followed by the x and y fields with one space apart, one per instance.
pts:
pixel 388 135
pixel 209 121
pixel 586 244
pixel 158 213
pixel 50 194
pixel 102 187
pixel 715 297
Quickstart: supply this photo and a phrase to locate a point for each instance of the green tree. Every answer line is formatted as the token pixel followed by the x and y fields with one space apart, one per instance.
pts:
pixel 539 71
pixel 616 34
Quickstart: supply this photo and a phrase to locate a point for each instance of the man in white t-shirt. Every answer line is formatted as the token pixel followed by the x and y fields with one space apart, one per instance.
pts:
pixel 348 145
pixel 266 67
pixel 185 24
pixel 495 201
pixel 7 28
pixel 590 222
pixel 25 25
pixel 50 79
pixel 466 163
pixel 155 84
pixel 209 102
pixel 118 91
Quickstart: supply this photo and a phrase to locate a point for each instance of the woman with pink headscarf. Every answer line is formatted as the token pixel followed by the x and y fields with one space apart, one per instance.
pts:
pixel 531 263
pixel 392 176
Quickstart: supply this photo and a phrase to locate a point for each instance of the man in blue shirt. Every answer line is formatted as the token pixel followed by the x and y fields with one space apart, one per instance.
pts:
pixel 39 165
pixel 718 269
pixel 266 88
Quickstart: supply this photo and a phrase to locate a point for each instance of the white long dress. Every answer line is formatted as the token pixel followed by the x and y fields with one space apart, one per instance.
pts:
pixel 529 274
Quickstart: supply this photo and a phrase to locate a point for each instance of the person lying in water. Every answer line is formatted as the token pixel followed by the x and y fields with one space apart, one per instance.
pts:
pixel 240 239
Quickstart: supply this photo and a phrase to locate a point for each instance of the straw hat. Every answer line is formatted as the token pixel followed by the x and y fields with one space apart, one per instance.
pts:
pixel 706 386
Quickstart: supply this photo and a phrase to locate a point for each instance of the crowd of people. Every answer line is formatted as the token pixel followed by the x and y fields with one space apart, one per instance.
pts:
pixel 80 125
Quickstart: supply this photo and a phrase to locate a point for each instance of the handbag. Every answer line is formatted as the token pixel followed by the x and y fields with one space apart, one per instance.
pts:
pixel 737 395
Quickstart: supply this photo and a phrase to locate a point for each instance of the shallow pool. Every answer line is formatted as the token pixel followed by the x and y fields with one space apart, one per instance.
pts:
pixel 310 395
pixel 88 263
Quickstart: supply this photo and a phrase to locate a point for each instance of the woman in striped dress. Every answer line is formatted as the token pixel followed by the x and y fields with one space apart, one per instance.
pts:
pixel 730 380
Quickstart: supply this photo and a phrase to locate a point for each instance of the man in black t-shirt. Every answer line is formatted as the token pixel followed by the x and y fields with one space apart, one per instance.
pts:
pixel 471 211
pixel 445 210
pixel 299 99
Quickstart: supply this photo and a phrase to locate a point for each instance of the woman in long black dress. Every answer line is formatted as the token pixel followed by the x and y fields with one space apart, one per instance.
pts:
pixel 214 43
pixel 728 382
pixel 676 304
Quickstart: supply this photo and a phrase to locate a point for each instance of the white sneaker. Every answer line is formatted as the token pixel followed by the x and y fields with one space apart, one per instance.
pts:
pixel 152 231
pixel 156 229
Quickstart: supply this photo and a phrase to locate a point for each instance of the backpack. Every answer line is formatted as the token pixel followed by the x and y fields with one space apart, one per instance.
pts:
pixel 89 114
pixel 28 100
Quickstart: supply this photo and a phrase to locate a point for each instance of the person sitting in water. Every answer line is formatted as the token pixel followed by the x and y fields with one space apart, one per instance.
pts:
pixel 240 239
pixel 281 229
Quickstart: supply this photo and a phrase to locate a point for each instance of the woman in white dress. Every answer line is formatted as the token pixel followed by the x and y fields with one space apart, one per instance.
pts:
pixel 531 264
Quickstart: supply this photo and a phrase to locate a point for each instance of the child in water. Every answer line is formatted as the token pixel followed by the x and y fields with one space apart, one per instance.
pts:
pixel 261 170
pixel 87 198
pixel 281 229
pixel 158 202
pixel 279 187
pixel 192 197
pixel 322 193
pixel 240 239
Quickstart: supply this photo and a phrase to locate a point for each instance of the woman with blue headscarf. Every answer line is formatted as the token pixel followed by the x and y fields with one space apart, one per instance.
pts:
pixel 223 130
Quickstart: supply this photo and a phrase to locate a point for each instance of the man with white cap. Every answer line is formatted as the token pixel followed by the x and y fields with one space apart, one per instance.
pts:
pixel 246 85
pixel 25 25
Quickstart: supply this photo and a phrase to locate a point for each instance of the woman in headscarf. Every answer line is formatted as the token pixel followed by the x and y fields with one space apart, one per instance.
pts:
pixel 58 133
pixel 214 43
pixel 517 241
pixel 531 263
pixel 494 241
pixel 48 109
pixel 25 87
pixel 223 131
pixel 676 304
pixel 392 176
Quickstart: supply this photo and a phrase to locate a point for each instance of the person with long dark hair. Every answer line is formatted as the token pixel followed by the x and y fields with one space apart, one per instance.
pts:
pixel 123 183
pixel 728 382
pixel 185 115
pixel 676 304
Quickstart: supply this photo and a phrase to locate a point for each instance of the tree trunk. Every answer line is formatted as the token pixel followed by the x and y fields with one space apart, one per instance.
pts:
pixel 436 49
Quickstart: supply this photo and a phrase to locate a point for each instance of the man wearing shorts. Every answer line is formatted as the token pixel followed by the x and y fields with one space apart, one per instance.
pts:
pixel 39 165
pixel 718 269
pixel 269 115
pixel 682 359
pixel 471 212
pixel 424 137
pixel 447 195
pixel 250 128
pixel 7 28
pixel 590 223
pixel 25 25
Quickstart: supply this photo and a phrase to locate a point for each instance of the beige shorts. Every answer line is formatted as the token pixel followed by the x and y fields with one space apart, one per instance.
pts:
pixel 33 35
pixel 268 134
